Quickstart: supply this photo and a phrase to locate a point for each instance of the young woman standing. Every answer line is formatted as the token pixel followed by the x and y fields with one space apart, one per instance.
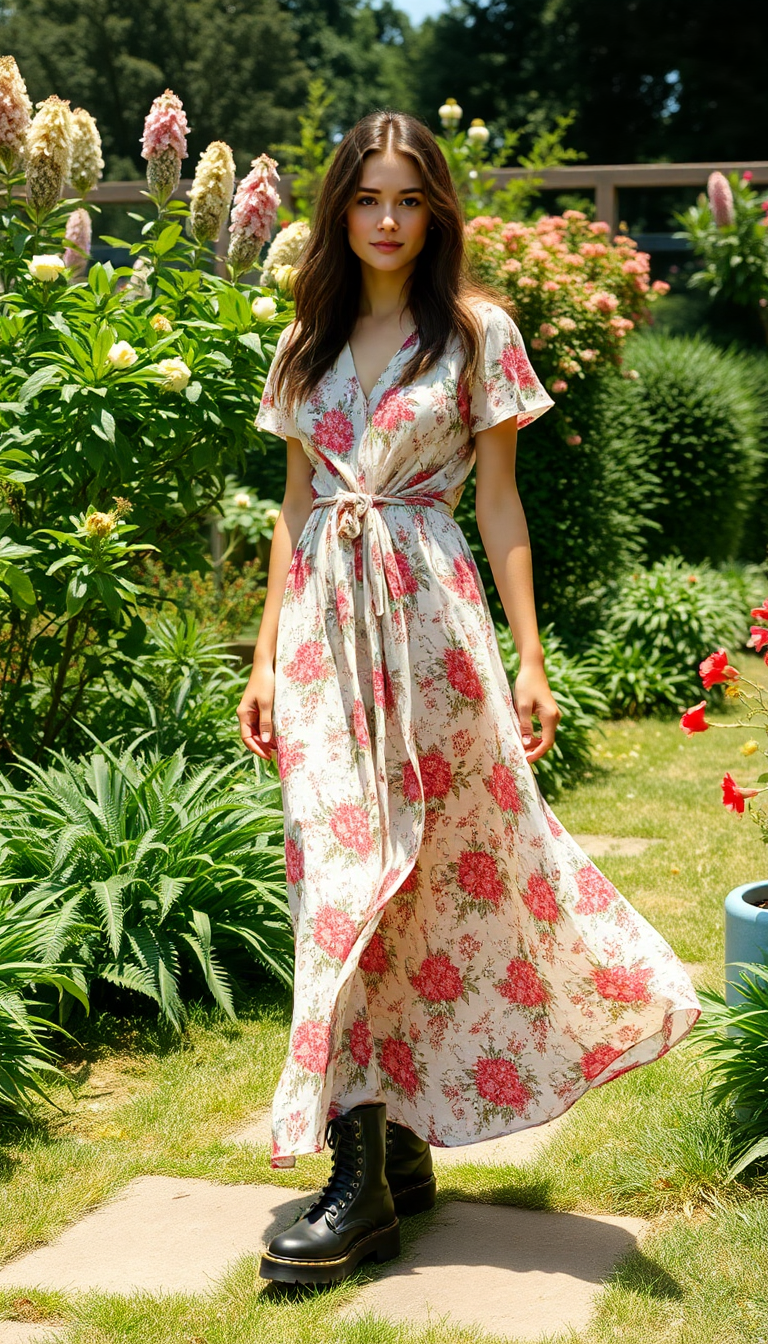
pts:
pixel 463 970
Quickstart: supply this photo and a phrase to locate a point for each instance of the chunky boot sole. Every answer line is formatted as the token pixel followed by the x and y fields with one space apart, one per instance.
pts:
pixel 384 1244
pixel 415 1198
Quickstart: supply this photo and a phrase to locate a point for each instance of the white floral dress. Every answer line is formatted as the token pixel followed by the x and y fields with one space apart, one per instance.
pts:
pixel 458 955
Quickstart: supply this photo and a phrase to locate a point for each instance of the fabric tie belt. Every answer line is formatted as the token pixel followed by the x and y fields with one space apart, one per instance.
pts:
pixel 353 509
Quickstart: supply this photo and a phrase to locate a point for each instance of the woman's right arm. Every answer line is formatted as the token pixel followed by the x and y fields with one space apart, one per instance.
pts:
pixel 255 709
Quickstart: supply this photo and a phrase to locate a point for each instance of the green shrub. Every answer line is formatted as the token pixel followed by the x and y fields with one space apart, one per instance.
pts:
pixel 692 416
pixel 581 703
pixel 172 879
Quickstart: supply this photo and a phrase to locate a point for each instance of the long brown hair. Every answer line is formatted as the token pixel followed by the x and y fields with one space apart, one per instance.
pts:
pixel 328 282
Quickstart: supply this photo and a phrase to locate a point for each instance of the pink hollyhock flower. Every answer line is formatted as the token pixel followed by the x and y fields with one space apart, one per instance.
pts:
pixel 720 200
pixel 716 668
pixel 78 238
pixel 164 144
pixel 559 385
pixel 693 720
pixel 734 794
pixel 254 213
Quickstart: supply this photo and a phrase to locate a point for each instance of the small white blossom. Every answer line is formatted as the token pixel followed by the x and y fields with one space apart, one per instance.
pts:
pixel 121 355
pixel 478 132
pixel 175 373
pixel 242 500
pixel 264 310
pixel 46 267
pixel 450 113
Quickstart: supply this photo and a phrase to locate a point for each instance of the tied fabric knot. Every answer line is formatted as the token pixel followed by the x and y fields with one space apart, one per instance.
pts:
pixel 351 511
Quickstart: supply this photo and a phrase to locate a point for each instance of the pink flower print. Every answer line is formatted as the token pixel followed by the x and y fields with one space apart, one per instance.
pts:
pixel 334 932
pixel 498 1081
pixel 622 984
pixel 374 960
pixel 469 946
pixel 438 980
pixel 596 892
pixel 335 432
pixel 396 1059
pixel 552 822
pixel 411 882
pixel 436 777
pixel 593 1062
pixel 351 825
pixel 503 788
pixel 294 861
pixel 400 577
pixel 360 1042
pixel 463 402
pixel 479 876
pixel 311 1046
pixel 522 984
pixel 516 367
pixel 298 573
pixel 358 558
pixel 540 898
pixel 343 611
pixel 392 411
pixel 288 756
pixel 378 686
pixel 463 580
pixel 308 663
pixel 360 724
pixel 462 674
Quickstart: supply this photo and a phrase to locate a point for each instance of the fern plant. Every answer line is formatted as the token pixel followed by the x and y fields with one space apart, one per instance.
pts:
pixel 167 873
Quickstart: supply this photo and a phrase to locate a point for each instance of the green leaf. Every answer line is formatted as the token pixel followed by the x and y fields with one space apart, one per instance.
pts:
pixel 20 584
pixel 252 341
pixel 98 280
pixel 41 378
pixel 192 391
pixel 108 425
pixel 168 239
pixel 77 593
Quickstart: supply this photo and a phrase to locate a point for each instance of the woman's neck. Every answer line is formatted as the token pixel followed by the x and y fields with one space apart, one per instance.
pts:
pixel 384 294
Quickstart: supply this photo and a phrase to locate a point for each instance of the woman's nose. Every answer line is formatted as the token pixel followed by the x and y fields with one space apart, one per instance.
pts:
pixel 388 223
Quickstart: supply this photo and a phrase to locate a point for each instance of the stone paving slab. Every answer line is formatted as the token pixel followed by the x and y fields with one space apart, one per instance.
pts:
pixel 518 1273
pixel 20 1332
pixel 598 845
pixel 160 1234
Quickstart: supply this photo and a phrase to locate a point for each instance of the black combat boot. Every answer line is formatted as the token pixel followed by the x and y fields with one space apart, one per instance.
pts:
pixel 352 1218
pixel 408 1170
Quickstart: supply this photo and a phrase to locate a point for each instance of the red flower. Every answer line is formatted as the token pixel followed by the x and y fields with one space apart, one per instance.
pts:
pixel 479 876
pixel 334 932
pixel 595 891
pixel 351 826
pixel 462 674
pixel 761 613
pixel 540 898
pixel 335 432
pixel 298 573
pixel 734 794
pixel 311 1046
pixel 438 980
pixel 503 788
pixel 465 581
pixel 360 1042
pixel 374 959
pixel 594 1062
pixel 716 668
pixel 758 638
pixel 498 1081
pixel 622 984
pixel 294 861
pixel 308 663
pixel 396 1060
pixel 693 720
pixel 391 411
pixel 522 984
pixel 515 366
pixel 436 777
pixel 400 577
pixel 360 724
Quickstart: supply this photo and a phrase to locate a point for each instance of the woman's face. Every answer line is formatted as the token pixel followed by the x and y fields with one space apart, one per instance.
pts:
pixel 388 219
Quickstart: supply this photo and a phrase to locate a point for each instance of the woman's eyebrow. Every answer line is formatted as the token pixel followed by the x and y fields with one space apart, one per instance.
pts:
pixel 376 191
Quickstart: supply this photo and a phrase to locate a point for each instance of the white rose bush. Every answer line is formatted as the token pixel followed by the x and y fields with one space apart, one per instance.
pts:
pixel 127 393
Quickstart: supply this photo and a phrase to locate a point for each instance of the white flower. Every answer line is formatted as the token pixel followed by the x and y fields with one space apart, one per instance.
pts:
pixel 242 500
pixel 272 515
pixel 121 355
pixel 285 249
pixel 160 323
pixel 175 373
pixel 478 132
pixel 284 277
pixel 46 267
pixel 450 113
pixel 264 309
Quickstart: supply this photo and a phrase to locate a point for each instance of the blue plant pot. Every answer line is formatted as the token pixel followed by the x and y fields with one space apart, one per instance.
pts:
pixel 746 932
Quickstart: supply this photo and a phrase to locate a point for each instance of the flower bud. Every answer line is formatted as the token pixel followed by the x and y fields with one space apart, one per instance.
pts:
pixel 285 276
pixel 78 237
pixel 46 267
pixel 176 374
pixel 211 192
pixel 121 355
pixel 164 144
pixel 285 249
pixel 160 323
pixel 87 164
pixel 478 132
pixel 720 200
pixel 48 153
pixel 242 500
pixel 264 309
pixel 99 525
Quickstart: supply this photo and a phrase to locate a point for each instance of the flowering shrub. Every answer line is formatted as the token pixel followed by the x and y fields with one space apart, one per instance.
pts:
pixel 728 229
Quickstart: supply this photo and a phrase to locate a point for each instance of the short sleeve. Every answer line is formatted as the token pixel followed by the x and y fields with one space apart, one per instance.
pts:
pixel 505 384
pixel 272 415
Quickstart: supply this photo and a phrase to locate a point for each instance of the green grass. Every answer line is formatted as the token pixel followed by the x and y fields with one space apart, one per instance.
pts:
pixel 647 1144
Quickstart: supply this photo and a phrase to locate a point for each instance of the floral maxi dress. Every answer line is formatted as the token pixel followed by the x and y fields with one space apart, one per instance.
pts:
pixel 458 955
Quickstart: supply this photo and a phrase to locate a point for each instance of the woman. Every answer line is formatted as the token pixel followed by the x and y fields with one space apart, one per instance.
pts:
pixel 462 969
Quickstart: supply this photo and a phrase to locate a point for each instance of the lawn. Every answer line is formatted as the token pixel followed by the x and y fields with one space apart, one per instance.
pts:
pixel 646 1144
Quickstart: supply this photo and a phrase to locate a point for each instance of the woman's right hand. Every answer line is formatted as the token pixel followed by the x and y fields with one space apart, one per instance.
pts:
pixel 255 712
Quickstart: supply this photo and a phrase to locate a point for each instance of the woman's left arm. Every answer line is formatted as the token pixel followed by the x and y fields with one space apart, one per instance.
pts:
pixel 504 534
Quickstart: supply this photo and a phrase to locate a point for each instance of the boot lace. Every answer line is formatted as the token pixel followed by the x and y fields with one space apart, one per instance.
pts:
pixel 343 1136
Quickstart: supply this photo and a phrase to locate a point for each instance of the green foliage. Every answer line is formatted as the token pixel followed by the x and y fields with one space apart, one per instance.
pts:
pixel 33 931
pixel 692 415
pixel 734 1041
pixel 228 602
pixel 309 159
pixel 660 622
pixel 735 254
pixel 168 879
pixel 580 701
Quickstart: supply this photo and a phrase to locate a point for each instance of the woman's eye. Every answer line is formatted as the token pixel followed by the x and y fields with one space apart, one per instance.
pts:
pixel 412 200
pixel 365 200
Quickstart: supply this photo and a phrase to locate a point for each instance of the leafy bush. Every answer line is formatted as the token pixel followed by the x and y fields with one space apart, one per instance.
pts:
pixel 660 622
pixel 727 229
pixel 581 704
pixel 32 932
pixel 225 603
pixel 168 878
pixel 692 415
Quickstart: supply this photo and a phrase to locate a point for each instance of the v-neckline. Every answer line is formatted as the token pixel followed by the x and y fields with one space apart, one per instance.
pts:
pixel 368 399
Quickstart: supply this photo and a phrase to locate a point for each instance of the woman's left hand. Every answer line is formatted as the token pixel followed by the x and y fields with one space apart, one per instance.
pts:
pixel 532 694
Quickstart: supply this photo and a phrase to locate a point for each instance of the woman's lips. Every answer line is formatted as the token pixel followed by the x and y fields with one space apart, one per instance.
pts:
pixel 386 247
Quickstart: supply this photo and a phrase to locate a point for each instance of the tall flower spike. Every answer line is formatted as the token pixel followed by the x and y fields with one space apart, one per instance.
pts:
pixel 87 163
pixel 211 191
pixel 164 144
pixel 48 152
pixel 285 250
pixel 720 199
pixel 15 112
pixel 253 214
pixel 78 236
